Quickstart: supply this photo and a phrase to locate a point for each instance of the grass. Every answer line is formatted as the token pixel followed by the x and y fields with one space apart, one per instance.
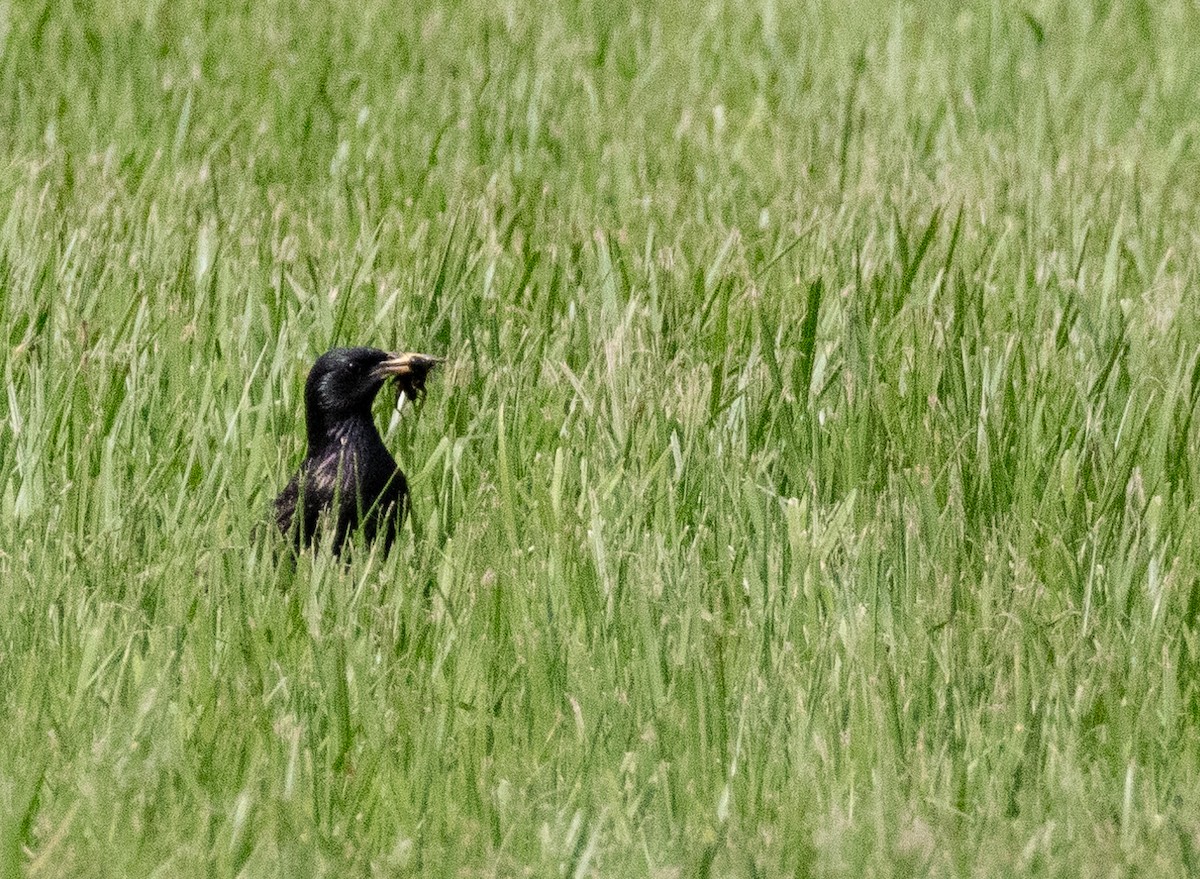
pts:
pixel 811 489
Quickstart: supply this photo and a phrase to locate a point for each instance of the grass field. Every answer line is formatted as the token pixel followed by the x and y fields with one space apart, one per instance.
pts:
pixel 812 489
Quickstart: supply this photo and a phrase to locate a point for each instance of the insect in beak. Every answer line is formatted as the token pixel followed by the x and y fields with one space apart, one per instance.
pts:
pixel 408 372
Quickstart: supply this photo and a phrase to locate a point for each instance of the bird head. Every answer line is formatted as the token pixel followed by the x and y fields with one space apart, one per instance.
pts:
pixel 344 381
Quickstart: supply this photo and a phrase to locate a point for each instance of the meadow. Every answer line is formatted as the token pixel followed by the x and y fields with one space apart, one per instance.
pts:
pixel 811 490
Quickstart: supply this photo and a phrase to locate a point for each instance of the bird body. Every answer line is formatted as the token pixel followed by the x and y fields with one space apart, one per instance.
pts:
pixel 348 474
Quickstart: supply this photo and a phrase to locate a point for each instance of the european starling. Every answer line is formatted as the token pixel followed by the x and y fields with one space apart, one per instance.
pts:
pixel 348 471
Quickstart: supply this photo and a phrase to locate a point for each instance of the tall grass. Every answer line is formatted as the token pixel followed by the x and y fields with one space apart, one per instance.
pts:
pixel 811 489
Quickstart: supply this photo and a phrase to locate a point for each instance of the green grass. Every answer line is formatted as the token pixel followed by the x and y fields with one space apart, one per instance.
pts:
pixel 812 489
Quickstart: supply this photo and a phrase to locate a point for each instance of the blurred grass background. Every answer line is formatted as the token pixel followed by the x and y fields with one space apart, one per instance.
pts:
pixel 811 490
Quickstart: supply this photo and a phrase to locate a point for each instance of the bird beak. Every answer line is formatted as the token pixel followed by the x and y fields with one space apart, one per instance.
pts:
pixel 409 371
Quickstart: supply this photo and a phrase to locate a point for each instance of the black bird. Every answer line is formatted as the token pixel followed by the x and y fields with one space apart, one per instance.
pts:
pixel 348 471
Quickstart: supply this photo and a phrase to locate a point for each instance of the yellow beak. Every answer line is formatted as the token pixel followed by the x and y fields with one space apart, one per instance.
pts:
pixel 409 370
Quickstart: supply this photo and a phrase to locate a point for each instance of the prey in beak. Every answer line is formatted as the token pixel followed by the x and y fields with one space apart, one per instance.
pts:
pixel 408 373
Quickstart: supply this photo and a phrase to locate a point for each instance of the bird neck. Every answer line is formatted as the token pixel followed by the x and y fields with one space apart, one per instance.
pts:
pixel 354 427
